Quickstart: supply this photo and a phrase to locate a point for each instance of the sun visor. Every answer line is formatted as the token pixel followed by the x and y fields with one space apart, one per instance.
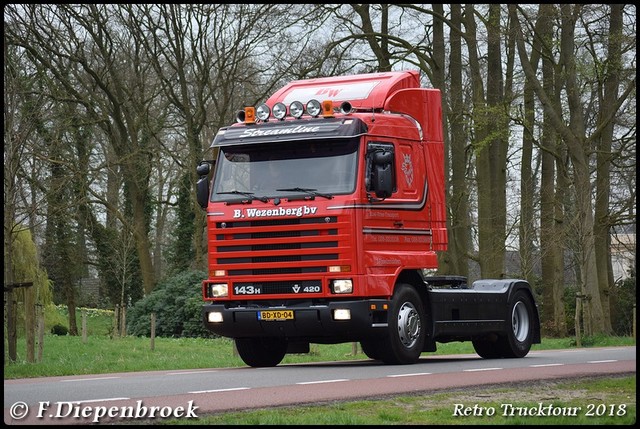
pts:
pixel 299 129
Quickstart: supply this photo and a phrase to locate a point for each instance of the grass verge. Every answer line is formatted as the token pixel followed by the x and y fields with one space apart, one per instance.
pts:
pixel 594 401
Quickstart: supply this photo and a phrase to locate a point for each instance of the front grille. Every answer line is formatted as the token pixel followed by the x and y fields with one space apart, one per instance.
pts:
pixel 279 246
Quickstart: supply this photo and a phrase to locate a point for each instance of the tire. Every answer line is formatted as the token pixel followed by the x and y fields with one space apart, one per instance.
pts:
pixel 261 352
pixel 370 348
pixel 407 328
pixel 488 348
pixel 517 342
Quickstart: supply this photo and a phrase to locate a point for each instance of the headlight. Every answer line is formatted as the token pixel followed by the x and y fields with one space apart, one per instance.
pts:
pixel 214 317
pixel 219 290
pixel 342 286
pixel 341 314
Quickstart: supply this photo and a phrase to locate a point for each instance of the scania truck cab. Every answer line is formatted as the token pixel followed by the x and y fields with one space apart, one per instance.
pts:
pixel 325 213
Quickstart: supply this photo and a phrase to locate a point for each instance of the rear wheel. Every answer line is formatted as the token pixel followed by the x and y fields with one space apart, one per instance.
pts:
pixel 517 342
pixel 488 348
pixel 406 333
pixel 261 352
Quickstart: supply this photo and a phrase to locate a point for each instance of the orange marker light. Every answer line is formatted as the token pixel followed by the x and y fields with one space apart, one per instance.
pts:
pixel 249 115
pixel 327 109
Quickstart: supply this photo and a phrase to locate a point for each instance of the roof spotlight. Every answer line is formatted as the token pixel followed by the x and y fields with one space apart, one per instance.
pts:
pixel 314 108
pixel 279 111
pixel 263 112
pixel 296 109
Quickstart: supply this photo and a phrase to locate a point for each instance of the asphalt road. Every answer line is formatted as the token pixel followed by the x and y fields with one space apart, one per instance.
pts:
pixel 105 398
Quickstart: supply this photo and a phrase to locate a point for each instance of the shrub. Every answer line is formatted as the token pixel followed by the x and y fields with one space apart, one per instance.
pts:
pixel 177 303
pixel 58 329
pixel 622 301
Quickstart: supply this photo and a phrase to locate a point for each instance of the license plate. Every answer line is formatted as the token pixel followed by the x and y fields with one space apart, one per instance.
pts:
pixel 271 315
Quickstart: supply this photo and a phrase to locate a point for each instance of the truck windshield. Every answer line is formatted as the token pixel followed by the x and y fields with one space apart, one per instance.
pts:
pixel 319 168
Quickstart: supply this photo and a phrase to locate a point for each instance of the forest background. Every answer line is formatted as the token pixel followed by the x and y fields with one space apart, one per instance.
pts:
pixel 109 108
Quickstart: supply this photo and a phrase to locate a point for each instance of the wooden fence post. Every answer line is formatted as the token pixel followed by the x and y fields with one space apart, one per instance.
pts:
pixel 116 323
pixel 40 312
pixel 578 311
pixel 30 322
pixel 84 326
pixel 153 331
pixel 123 321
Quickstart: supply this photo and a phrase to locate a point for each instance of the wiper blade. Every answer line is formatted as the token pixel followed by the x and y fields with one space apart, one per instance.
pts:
pixel 310 191
pixel 246 194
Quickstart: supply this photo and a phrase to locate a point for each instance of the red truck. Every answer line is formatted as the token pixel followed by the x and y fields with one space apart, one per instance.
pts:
pixel 326 212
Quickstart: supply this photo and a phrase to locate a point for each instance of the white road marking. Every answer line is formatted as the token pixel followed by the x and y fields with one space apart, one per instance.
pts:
pixel 88 379
pixel 98 400
pixel 324 381
pixel 546 364
pixel 409 375
pixel 221 390
pixel 482 369
pixel 190 372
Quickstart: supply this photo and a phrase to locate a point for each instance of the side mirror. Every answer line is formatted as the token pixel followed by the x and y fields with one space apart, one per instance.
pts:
pixel 202 186
pixel 382 158
pixel 203 169
pixel 382 174
pixel 202 191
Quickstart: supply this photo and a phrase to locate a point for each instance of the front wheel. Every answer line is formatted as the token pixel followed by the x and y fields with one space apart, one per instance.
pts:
pixel 371 348
pixel 407 328
pixel 261 352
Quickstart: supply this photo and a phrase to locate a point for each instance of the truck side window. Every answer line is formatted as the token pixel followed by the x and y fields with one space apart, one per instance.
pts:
pixel 380 171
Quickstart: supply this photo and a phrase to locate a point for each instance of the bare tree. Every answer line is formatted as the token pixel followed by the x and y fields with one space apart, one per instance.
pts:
pixel 145 88
pixel 22 110
pixel 608 93
pixel 490 143
pixel 577 138
pixel 458 197
pixel 91 56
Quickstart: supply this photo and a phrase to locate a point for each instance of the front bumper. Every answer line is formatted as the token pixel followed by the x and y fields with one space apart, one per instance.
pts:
pixel 313 322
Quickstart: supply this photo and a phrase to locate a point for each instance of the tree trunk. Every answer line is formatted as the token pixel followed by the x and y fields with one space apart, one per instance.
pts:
pixel 458 201
pixel 602 226
pixel 551 195
pixel 579 153
pixel 491 146
pixel 526 230
pixel 574 138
